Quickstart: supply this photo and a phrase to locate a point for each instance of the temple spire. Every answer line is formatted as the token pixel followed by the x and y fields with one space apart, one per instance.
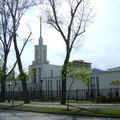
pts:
pixel 40 39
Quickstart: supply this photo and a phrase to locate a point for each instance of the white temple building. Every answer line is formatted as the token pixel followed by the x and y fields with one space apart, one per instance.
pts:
pixel 42 73
pixel 48 77
pixel 45 79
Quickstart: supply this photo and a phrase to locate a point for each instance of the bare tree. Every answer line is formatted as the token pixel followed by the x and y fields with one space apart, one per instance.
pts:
pixel 70 18
pixel 6 40
pixel 16 9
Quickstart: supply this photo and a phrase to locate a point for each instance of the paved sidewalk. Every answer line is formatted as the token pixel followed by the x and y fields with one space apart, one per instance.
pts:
pixel 21 115
pixel 73 105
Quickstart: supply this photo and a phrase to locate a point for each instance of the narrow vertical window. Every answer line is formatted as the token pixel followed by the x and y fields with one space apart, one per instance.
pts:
pixel 46 88
pixel 51 85
pixel 39 73
pixel 51 72
pixel 97 82
pixel 34 75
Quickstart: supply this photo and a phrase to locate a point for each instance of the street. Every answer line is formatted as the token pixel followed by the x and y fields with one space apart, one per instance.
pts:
pixel 18 115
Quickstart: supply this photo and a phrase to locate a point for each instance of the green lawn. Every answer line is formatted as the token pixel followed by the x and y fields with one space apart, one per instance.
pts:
pixel 77 111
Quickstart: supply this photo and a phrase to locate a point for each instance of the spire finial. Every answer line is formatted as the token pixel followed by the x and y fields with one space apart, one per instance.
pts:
pixel 40 26
pixel 40 20
pixel 40 39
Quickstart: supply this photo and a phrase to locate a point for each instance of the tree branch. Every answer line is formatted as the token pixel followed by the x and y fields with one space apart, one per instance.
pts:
pixel 20 53
pixel 73 12
pixel 1 40
pixel 52 3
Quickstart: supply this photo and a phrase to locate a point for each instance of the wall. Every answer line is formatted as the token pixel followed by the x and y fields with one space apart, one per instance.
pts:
pixel 106 77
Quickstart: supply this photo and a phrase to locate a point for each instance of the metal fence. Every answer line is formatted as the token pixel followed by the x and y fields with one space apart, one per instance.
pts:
pixel 43 95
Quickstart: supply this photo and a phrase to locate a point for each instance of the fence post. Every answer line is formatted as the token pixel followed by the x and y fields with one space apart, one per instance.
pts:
pixel 76 95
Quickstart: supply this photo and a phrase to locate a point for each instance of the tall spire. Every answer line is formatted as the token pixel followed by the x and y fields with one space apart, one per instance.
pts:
pixel 40 39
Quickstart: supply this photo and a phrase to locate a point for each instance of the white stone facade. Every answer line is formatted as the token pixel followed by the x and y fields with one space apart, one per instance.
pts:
pixel 48 77
pixel 41 70
pixel 103 79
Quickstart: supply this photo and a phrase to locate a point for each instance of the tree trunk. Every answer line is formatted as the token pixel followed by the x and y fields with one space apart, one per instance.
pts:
pixel 22 74
pixel 63 98
pixel 3 79
pixel 2 96
pixel 69 94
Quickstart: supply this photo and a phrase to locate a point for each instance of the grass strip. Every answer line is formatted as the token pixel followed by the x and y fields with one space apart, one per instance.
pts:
pixel 64 111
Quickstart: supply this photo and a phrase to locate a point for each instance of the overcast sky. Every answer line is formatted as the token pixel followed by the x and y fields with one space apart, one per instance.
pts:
pixel 101 42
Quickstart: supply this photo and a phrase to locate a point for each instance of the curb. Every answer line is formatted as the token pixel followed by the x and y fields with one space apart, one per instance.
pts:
pixel 85 115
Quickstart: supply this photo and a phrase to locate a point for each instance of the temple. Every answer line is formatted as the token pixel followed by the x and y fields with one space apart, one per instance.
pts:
pixel 40 68
pixel 46 79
